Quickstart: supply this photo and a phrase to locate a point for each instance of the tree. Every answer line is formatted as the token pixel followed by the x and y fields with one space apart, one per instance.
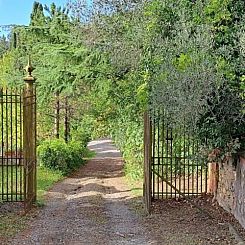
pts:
pixel 4 45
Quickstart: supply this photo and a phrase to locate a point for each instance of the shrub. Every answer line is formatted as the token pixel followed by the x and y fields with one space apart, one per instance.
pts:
pixel 57 155
pixel 128 136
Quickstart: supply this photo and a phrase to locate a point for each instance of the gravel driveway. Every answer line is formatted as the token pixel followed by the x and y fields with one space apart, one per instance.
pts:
pixel 95 206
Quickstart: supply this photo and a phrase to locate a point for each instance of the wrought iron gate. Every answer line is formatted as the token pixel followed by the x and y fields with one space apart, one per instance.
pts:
pixel 173 167
pixel 12 164
pixel 18 144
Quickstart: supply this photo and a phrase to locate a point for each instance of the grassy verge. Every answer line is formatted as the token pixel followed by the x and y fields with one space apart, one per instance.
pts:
pixel 136 186
pixel 45 180
pixel 88 154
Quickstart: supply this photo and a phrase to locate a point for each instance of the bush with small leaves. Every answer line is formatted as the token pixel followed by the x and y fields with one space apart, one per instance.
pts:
pixel 58 155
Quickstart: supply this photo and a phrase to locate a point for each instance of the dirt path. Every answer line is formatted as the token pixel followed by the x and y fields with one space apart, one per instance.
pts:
pixel 89 207
pixel 95 206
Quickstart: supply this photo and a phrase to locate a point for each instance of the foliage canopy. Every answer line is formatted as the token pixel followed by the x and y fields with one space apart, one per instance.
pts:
pixel 114 59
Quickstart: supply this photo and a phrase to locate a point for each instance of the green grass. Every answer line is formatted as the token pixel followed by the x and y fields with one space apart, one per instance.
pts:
pixel 10 179
pixel 88 154
pixel 45 180
pixel 135 186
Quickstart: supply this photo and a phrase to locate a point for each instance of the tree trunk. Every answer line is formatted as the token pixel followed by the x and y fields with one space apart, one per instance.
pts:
pixel 66 121
pixel 57 116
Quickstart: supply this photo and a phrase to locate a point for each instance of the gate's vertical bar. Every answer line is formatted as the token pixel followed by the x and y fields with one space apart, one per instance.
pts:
pixel 165 152
pixel 162 153
pixel 197 166
pixel 21 148
pixel 188 162
pixel 171 158
pixel 174 157
pixel 29 146
pixel 200 161
pixel 11 144
pixel 178 159
pixel 158 153
pixel 193 167
pixel 184 160
pixel 206 172
pixel 2 141
pixel 153 120
pixel 147 161
pixel 167 162
pixel 7 146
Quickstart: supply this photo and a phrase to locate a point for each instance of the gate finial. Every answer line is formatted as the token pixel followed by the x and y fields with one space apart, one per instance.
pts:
pixel 29 68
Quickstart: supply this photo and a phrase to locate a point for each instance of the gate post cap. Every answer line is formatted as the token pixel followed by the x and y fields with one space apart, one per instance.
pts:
pixel 29 69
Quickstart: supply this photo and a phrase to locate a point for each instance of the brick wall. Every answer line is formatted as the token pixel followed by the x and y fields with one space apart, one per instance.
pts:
pixel 231 187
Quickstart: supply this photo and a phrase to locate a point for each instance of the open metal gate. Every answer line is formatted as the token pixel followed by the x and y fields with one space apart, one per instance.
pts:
pixel 173 167
pixel 18 144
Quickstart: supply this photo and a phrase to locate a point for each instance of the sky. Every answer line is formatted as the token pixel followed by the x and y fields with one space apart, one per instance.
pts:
pixel 18 11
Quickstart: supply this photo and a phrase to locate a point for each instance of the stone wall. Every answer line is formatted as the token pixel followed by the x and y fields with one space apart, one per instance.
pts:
pixel 231 187
pixel 239 211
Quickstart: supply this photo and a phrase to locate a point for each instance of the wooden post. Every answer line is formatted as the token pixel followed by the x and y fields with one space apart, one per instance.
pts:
pixel 147 162
pixel 213 178
pixel 29 137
